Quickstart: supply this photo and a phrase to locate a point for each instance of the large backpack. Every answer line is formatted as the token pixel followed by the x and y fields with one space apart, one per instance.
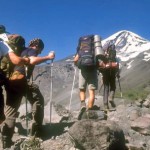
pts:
pixel 16 42
pixel 110 61
pixel 85 51
pixel 111 53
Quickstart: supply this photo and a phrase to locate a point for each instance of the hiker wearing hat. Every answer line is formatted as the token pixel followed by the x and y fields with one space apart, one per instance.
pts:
pixel 20 86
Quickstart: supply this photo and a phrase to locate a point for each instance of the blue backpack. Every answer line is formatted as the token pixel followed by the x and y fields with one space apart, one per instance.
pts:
pixel 85 51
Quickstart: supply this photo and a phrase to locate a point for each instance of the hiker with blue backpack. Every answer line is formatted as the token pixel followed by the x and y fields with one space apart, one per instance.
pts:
pixel 85 60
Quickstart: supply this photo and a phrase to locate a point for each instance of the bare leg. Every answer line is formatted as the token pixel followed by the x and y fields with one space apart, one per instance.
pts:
pixel 91 98
pixel 82 95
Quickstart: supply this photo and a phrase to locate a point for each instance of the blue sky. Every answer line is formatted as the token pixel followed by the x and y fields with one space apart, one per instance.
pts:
pixel 60 23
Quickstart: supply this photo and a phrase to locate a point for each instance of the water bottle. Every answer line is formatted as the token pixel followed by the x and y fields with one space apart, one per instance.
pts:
pixel 47 62
pixel 52 52
pixel 99 52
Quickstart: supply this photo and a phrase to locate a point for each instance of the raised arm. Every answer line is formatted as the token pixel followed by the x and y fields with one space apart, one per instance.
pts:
pixel 34 60
pixel 17 60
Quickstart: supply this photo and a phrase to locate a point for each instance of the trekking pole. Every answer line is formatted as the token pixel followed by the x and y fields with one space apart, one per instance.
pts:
pixel 101 87
pixel 51 87
pixel 101 84
pixel 120 87
pixel 26 100
pixel 75 70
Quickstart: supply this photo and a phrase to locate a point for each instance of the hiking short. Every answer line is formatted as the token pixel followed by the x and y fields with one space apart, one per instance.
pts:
pixel 88 78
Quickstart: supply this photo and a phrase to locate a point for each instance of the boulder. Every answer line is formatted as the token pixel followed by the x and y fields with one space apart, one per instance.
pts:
pixel 142 125
pixel 90 134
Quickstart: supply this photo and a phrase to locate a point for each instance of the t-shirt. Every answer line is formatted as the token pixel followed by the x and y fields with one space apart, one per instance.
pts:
pixel 27 53
pixel 3 37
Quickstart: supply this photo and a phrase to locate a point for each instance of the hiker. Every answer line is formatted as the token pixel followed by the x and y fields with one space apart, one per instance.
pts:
pixel 7 50
pixel 19 87
pixel 87 74
pixel 109 69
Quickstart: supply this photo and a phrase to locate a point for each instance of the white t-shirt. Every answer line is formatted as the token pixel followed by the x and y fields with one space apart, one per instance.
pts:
pixel 4 48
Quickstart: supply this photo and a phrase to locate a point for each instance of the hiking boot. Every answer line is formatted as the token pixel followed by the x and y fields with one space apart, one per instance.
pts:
pixel 36 130
pixel 95 107
pixel 112 104
pixel 7 143
pixel 111 99
pixel 82 111
pixel 6 133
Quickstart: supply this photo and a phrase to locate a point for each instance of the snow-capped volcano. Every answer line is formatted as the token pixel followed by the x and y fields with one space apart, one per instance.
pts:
pixel 133 52
pixel 129 45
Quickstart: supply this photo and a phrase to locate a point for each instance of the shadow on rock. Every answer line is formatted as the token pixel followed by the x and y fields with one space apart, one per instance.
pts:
pixel 49 130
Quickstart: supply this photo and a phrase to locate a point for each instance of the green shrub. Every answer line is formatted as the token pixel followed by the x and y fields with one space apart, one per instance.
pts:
pixel 134 94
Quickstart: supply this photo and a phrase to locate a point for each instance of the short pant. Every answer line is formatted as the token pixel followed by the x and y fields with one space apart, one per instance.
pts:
pixel 88 78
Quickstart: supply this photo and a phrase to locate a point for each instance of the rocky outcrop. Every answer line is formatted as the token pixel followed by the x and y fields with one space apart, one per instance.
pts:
pixel 126 127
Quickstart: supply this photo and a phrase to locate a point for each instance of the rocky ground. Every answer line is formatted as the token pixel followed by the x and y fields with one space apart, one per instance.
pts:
pixel 132 118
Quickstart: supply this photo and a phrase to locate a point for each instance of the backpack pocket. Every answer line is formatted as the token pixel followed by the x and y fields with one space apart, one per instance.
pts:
pixel 86 61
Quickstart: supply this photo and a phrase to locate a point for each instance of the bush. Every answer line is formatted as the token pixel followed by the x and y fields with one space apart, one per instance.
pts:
pixel 134 94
